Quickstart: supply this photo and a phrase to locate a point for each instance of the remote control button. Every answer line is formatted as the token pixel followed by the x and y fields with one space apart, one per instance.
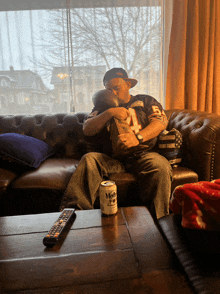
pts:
pixel 53 235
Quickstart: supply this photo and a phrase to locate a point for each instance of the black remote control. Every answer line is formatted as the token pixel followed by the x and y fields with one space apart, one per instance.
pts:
pixel 53 235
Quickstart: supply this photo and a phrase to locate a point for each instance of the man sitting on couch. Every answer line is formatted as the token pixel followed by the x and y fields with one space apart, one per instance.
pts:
pixel 147 120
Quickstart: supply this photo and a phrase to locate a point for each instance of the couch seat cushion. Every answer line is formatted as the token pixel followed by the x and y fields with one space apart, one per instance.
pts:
pixel 53 173
pixel 182 175
pixel 6 177
pixel 126 184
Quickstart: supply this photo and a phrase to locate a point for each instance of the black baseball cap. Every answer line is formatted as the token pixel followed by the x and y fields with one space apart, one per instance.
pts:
pixel 118 73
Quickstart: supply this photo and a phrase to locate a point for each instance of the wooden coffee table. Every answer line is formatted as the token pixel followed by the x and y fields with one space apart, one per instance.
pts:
pixel 119 254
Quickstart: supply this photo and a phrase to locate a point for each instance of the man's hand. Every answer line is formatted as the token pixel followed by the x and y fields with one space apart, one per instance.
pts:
pixel 127 140
pixel 120 113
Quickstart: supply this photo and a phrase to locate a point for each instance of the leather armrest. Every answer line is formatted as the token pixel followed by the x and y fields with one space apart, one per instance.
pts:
pixel 6 177
pixel 201 141
pixel 182 175
pixel 201 265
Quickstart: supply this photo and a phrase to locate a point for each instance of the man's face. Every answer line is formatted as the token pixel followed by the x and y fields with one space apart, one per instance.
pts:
pixel 120 88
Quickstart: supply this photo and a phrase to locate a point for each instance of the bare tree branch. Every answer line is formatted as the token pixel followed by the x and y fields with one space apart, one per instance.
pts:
pixel 119 36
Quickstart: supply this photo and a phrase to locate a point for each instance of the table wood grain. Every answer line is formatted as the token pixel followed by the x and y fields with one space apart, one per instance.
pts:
pixel 117 254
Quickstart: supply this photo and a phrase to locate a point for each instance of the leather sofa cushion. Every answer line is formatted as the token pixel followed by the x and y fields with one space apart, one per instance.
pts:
pixel 53 173
pixel 126 182
pixel 6 177
pixel 182 175
pixel 126 188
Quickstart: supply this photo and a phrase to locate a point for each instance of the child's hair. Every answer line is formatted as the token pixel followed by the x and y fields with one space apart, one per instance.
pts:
pixel 104 99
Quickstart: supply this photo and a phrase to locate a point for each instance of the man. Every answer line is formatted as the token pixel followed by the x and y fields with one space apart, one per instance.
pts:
pixel 147 120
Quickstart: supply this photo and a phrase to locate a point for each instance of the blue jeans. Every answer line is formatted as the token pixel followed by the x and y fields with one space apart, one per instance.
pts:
pixel 153 170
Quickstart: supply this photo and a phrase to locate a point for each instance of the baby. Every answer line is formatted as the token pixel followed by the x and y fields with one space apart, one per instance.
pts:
pixel 103 100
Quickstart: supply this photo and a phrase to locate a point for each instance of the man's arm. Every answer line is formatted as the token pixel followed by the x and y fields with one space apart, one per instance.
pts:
pixel 96 122
pixel 149 132
pixel 152 130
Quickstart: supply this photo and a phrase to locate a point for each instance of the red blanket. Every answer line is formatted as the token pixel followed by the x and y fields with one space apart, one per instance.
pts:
pixel 199 205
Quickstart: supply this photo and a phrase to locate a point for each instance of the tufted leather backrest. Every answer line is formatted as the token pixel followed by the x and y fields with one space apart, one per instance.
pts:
pixel 201 141
pixel 200 130
pixel 61 131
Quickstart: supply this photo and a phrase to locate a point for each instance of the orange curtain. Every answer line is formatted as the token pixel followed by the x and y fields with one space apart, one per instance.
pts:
pixel 193 76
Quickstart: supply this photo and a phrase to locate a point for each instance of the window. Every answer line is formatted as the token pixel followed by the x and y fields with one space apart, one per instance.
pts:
pixel 34 85
pixel 4 83
pixel 20 98
pixel 68 48
pixel 11 98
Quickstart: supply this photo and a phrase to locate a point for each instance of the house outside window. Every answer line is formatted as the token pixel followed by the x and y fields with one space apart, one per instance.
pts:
pixel 4 83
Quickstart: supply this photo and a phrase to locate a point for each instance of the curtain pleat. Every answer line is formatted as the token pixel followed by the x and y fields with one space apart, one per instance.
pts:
pixel 193 75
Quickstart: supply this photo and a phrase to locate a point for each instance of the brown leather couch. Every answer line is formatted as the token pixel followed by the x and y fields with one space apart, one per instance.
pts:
pixel 25 190
pixel 198 253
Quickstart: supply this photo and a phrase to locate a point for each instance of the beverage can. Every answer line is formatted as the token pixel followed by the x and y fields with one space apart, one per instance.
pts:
pixel 108 197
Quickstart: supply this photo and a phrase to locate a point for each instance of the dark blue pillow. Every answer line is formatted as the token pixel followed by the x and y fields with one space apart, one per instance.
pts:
pixel 25 149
